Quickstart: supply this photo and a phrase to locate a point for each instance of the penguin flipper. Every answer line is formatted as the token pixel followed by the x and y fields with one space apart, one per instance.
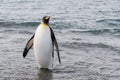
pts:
pixel 28 46
pixel 54 41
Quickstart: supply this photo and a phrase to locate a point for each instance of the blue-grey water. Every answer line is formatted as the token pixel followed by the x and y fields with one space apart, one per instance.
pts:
pixel 87 31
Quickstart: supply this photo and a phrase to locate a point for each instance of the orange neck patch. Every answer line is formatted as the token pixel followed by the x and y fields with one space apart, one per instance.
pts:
pixel 43 24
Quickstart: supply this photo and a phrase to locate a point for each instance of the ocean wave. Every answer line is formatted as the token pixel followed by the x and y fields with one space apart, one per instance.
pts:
pixel 55 25
pixel 25 32
pixel 5 24
pixel 96 31
pixel 103 20
pixel 112 22
pixel 84 45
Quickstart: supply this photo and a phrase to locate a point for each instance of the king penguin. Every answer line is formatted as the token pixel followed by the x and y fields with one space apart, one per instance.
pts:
pixel 43 42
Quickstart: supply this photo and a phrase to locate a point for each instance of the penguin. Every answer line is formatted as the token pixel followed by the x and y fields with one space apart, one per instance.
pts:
pixel 43 42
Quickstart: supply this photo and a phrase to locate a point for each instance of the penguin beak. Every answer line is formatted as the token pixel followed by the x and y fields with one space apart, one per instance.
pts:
pixel 48 17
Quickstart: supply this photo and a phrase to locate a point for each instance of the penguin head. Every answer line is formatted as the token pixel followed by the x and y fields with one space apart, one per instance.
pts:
pixel 46 19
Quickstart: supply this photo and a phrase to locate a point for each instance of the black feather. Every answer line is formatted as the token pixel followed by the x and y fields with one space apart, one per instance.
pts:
pixel 28 47
pixel 54 41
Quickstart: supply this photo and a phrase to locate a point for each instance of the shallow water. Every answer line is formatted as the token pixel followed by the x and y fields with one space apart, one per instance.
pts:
pixel 88 34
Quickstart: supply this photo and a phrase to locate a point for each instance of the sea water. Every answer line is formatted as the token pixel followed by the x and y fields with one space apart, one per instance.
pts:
pixel 87 31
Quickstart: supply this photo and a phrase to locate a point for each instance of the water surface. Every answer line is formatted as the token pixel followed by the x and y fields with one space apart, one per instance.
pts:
pixel 87 31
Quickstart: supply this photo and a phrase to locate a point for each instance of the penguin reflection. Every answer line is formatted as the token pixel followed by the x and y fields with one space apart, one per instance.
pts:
pixel 44 74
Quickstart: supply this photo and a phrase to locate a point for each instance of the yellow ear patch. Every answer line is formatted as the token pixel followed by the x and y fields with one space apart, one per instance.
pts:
pixel 43 24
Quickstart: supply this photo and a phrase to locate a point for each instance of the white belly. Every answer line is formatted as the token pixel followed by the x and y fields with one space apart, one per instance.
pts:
pixel 43 47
